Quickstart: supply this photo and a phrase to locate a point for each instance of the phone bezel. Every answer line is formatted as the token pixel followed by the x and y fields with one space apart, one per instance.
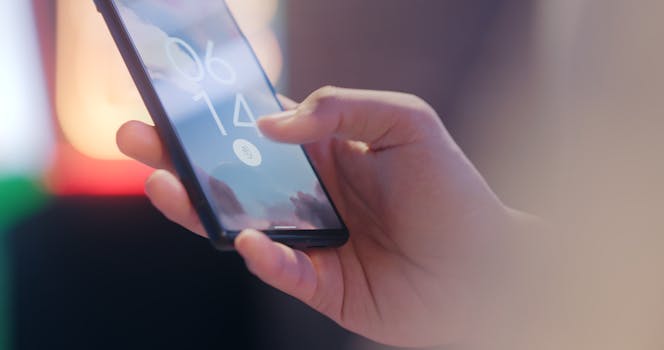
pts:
pixel 222 239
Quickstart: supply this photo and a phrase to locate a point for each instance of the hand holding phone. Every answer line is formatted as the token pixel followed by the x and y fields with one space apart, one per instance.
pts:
pixel 422 219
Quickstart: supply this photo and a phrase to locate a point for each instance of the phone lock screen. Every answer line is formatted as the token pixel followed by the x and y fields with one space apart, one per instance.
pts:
pixel 212 89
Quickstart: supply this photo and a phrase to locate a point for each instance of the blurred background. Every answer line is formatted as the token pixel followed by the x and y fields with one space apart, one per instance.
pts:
pixel 531 90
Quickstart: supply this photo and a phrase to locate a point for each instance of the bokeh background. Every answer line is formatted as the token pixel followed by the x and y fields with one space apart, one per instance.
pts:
pixel 557 102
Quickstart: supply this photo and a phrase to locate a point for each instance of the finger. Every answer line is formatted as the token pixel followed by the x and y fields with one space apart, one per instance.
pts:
pixel 169 196
pixel 286 102
pixel 141 142
pixel 284 268
pixel 380 119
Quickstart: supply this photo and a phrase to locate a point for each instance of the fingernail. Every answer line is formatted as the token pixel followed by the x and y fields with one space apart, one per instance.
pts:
pixel 283 116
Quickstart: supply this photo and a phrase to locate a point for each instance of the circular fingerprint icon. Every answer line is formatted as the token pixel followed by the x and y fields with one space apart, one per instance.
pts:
pixel 247 152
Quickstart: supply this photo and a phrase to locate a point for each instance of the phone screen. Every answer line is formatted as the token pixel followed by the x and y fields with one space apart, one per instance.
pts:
pixel 213 89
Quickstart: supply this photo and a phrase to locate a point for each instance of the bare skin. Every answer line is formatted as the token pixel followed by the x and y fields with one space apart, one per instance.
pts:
pixel 424 225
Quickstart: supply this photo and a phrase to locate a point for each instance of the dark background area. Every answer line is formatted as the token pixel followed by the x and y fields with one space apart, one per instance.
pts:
pixel 108 273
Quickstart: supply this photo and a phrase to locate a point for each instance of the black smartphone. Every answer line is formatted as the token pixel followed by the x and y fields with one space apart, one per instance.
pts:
pixel 204 88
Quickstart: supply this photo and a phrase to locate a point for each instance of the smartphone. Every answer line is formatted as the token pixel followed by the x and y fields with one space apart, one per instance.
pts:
pixel 204 88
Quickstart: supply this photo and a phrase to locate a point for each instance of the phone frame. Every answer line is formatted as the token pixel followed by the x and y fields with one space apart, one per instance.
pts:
pixel 222 239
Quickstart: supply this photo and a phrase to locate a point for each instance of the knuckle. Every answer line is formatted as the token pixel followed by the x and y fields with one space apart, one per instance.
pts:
pixel 422 111
pixel 326 91
pixel 419 105
pixel 325 97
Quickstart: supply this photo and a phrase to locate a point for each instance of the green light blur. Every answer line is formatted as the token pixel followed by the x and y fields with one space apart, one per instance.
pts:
pixel 19 197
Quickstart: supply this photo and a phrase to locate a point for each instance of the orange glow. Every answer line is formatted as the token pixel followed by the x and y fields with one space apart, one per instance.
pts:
pixel 95 95
pixel 94 92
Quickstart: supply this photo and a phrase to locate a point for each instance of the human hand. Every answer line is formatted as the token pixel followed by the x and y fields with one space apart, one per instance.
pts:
pixel 423 223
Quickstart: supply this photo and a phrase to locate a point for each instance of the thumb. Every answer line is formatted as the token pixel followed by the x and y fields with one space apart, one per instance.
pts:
pixel 282 267
pixel 379 119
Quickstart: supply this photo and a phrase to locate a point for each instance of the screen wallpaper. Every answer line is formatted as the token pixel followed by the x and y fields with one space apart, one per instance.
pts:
pixel 213 90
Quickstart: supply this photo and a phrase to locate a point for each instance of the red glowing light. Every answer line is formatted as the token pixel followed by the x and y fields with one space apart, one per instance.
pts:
pixel 76 174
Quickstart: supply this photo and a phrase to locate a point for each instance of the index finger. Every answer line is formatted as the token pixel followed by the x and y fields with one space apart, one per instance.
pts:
pixel 378 118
